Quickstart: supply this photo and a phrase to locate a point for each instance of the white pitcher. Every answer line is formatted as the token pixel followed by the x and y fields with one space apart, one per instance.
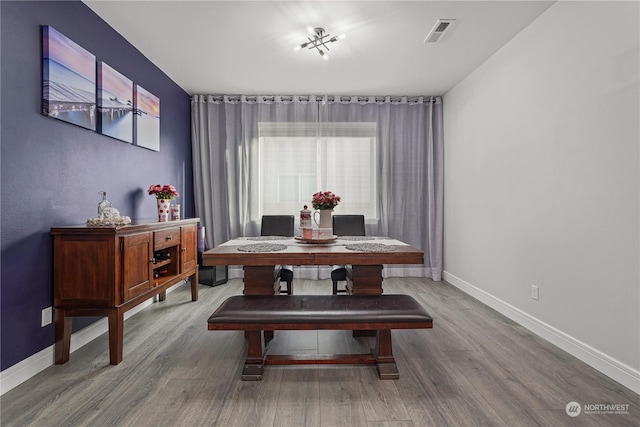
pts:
pixel 325 218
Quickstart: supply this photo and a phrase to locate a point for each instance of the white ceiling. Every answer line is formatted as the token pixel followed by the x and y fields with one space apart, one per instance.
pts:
pixel 246 47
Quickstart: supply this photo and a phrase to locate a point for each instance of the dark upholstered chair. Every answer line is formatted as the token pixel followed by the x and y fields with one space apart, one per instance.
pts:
pixel 280 225
pixel 345 225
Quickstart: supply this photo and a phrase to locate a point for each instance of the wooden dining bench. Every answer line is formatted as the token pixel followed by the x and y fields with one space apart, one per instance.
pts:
pixel 382 313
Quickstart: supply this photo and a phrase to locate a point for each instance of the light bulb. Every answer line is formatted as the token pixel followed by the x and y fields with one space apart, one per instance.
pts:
pixel 342 36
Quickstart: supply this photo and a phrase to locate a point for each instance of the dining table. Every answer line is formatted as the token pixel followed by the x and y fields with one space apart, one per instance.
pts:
pixel 366 256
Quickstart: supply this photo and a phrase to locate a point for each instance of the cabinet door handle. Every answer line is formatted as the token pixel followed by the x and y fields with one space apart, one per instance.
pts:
pixel 169 237
pixel 184 249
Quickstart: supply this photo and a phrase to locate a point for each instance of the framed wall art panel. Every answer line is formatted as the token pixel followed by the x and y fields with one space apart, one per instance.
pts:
pixel 115 104
pixel 147 127
pixel 68 80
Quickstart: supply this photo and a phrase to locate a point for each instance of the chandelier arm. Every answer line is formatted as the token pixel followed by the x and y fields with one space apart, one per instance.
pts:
pixel 317 44
pixel 325 46
pixel 322 38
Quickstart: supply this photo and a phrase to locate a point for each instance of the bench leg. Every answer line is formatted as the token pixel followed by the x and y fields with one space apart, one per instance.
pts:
pixel 387 368
pixel 268 335
pixel 254 364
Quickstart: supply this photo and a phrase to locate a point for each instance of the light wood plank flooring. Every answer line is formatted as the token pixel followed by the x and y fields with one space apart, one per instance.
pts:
pixel 474 368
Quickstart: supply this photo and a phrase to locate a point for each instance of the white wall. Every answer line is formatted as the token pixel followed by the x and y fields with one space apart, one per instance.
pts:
pixel 542 182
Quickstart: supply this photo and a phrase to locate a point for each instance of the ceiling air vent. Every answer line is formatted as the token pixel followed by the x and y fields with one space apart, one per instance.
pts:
pixel 438 30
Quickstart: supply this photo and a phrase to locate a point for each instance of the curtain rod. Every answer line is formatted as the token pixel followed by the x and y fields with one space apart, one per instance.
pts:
pixel 267 99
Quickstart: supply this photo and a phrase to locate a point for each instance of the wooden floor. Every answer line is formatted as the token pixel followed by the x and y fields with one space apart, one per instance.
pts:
pixel 474 368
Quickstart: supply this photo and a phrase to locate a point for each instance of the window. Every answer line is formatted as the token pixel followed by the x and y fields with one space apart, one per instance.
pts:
pixel 298 159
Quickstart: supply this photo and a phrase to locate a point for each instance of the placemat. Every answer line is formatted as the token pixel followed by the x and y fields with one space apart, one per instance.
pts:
pixel 357 238
pixel 269 238
pixel 262 247
pixel 370 247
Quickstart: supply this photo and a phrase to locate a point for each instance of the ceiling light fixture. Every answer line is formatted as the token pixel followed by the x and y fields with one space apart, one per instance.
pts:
pixel 319 40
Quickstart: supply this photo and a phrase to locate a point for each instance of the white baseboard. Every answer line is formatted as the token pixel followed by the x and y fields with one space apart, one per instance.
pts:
pixel 613 368
pixel 29 367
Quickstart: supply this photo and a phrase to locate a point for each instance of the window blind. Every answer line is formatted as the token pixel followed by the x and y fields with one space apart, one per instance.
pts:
pixel 299 159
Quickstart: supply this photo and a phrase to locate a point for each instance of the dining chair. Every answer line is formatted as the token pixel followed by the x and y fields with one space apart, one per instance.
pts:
pixel 280 225
pixel 345 225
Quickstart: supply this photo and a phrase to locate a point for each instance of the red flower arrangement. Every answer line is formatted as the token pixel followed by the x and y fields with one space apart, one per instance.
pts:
pixel 324 200
pixel 163 191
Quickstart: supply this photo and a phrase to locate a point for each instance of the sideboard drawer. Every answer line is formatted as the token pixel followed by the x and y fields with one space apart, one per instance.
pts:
pixel 166 238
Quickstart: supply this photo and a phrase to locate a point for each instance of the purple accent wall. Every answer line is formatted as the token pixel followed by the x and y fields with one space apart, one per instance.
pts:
pixel 52 171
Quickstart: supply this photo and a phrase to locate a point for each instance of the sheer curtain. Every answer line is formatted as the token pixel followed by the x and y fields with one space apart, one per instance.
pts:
pixel 409 161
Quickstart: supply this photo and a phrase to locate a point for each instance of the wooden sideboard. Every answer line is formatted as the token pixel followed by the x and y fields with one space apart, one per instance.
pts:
pixel 104 271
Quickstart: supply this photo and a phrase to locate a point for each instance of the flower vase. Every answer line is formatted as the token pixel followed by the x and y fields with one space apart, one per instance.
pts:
pixel 164 208
pixel 325 218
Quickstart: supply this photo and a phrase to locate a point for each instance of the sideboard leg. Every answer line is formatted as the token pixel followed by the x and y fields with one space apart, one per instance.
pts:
pixel 116 335
pixel 62 326
pixel 194 279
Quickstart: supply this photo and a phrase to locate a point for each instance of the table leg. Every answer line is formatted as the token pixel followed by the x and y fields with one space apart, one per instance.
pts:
pixel 364 280
pixel 259 280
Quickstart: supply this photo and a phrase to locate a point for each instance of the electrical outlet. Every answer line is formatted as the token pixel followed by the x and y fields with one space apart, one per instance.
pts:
pixel 535 292
pixel 47 316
